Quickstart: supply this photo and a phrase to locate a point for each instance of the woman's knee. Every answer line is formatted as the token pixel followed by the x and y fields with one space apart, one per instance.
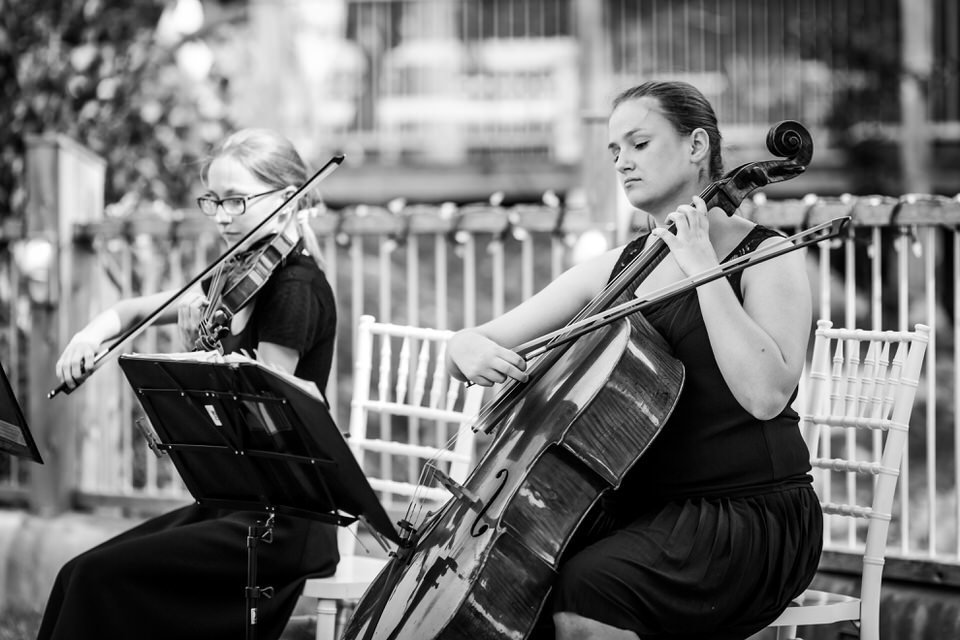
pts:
pixel 571 626
pixel 585 575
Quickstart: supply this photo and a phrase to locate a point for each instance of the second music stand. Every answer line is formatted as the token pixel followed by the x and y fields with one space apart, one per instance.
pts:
pixel 244 436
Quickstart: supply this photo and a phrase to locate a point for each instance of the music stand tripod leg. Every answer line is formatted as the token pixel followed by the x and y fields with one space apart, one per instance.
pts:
pixel 259 531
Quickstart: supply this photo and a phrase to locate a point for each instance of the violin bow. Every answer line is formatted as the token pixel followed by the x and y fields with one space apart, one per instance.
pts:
pixel 539 346
pixel 141 326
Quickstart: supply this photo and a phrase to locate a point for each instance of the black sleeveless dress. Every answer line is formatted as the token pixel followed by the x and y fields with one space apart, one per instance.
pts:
pixel 182 574
pixel 717 527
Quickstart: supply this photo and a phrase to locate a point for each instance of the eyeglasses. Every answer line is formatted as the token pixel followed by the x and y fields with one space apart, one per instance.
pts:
pixel 232 205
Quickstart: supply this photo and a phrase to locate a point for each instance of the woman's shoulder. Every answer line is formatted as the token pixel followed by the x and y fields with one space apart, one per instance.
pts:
pixel 747 236
pixel 299 272
pixel 786 265
pixel 300 266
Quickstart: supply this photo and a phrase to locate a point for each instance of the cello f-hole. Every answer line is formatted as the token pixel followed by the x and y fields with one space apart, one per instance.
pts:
pixel 480 525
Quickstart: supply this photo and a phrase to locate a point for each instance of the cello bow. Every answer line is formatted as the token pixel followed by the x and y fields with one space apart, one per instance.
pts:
pixel 538 346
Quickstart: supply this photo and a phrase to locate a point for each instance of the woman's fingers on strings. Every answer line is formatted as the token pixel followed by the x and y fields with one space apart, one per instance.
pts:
pixel 668 238
pixel 190 310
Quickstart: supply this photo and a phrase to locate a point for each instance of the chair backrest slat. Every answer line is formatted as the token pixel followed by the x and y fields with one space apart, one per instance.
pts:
pixel 410 414
pixel 849 395
pixel 871 363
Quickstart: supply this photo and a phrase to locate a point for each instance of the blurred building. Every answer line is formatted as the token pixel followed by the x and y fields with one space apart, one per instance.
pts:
pixel 495 85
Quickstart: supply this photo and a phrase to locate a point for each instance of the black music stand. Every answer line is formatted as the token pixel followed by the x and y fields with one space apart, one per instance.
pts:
pixel 243 436
pixel 15 436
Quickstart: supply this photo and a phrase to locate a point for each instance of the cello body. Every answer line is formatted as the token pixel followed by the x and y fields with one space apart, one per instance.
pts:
pixel 483 566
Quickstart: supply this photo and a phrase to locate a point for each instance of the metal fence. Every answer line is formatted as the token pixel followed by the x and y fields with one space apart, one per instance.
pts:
pixel 449 267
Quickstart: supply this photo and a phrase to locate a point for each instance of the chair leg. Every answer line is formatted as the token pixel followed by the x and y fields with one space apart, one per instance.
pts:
pixel 786 633
pixel 326 619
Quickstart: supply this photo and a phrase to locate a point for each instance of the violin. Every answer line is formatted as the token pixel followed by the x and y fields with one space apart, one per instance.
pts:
pixel 229 254
pixel 236 284
pixel 483 565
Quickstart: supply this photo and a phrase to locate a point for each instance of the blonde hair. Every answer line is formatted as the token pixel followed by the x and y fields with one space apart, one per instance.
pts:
pixel 273 160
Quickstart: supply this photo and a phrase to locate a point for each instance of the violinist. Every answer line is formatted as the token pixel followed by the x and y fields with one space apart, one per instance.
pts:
pixel 716 528
pixel 183 574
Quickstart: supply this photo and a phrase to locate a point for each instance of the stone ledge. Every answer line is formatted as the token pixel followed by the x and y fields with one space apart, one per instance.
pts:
pixel 33 548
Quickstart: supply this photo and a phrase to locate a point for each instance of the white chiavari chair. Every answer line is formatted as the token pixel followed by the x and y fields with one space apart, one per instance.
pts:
pixel 858 380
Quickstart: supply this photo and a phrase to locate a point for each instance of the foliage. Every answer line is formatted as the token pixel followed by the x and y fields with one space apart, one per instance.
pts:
pixel 95 71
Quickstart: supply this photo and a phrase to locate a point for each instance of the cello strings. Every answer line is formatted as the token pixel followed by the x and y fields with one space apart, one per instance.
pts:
pixel 620 282
pixel 428 478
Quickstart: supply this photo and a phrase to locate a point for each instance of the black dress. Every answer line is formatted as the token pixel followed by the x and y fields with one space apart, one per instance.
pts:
pixel 182 575
pixel 717 527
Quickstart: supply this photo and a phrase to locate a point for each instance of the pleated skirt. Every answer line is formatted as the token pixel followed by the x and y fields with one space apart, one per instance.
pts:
pixel 183 575
pixel 720 568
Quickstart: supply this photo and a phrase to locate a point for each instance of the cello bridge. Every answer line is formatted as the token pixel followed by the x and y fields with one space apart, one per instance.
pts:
pixel 458 490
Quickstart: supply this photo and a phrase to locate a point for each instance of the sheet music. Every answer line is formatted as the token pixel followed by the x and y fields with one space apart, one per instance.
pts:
pixel 236 358
pixel 243 435
pixel 11 433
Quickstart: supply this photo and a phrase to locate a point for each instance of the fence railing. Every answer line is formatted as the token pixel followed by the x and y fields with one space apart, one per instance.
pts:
pixel 449 267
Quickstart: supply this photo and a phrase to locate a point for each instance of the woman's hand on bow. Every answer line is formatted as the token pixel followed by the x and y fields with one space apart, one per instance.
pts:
pixel 77 360
pixel 472 357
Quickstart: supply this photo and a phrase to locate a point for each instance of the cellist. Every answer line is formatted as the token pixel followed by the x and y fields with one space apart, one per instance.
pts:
pixel 183 574
pixel 717 527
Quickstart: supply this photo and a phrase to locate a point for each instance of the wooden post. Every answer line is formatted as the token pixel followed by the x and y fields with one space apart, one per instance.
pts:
pixel 916 18
pixel 596 69
pixel 65 185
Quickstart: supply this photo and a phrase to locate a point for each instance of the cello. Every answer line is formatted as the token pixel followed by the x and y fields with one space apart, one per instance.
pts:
pixel 483 565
